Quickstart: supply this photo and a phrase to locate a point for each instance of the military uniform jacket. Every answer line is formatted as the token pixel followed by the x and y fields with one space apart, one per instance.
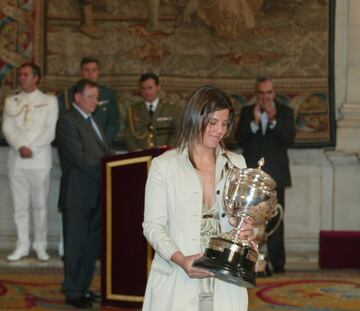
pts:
pixel 107 111
pixel 163 125
pixel 29 120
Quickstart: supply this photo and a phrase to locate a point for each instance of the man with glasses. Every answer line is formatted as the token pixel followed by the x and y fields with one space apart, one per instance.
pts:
pixel 82 144
pixel 106 112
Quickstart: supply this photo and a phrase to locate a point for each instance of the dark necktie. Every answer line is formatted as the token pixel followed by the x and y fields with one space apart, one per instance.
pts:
pixel 151 110
pixel 97 131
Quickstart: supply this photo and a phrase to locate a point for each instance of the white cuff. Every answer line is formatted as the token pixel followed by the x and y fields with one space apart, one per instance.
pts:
pixel 254 127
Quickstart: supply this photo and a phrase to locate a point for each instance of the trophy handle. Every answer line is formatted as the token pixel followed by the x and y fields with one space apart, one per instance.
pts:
pixel 277 211
pixel 226 199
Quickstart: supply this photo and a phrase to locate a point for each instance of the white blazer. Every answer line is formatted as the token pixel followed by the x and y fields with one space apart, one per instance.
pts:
pixel 29 120
pixel 172 221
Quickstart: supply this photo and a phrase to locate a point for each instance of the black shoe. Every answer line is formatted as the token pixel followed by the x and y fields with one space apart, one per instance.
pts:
pixel 268 271
pixel 279 271
pixel 264 274
pixel 261 274
pixel 80 303
pixel 91 296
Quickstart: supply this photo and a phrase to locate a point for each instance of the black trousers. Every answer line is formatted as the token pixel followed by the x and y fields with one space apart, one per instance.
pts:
pixel 82 229
pixel 275 243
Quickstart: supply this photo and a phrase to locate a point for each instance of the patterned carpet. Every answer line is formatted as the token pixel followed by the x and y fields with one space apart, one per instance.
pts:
pixel 34 289
pixel 38 289
pixel 310 291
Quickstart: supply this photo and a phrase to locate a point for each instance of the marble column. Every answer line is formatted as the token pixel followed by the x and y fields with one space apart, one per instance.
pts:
pixel 347 74
pixel 345 212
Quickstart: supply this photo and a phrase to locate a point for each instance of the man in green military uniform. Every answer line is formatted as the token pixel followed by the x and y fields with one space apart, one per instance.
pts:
pixel 107 111
pixel 153 122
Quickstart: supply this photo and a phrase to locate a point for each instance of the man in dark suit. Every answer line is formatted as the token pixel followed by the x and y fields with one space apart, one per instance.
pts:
pixel 266 129
pixel 106 113
pixel 82 144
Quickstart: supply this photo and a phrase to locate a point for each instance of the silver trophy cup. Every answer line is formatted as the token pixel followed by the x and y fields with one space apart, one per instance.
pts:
pixel 247 193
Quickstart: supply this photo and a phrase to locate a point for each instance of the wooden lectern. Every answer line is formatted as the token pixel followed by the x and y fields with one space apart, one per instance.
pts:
pixel 126 256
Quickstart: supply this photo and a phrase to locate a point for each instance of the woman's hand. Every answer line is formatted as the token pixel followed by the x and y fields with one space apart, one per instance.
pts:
pixel 247 228
pixel 186 262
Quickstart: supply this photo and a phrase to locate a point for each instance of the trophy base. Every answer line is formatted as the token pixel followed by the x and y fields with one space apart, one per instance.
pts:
pixel 230 262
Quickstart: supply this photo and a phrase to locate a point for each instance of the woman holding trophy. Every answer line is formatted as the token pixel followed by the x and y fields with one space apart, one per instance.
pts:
pixel 183 209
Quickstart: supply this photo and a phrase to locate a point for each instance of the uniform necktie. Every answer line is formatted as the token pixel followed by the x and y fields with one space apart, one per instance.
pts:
pixel 151 110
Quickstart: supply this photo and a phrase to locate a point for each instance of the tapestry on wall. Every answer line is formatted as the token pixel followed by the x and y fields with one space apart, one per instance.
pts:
pixel 21 37
pixel 226 43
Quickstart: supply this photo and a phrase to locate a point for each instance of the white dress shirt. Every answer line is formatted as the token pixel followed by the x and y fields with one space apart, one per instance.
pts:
pixel 152 104
pixel 264 123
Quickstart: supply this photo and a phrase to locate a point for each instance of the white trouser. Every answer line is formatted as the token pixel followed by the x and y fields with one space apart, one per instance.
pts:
pixel 30 187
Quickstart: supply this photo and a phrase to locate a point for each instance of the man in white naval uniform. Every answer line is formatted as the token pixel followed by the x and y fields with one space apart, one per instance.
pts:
pixel 29 123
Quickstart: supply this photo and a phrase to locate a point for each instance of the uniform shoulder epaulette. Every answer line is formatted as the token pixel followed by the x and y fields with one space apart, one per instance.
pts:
pixel 13 93
pixel 137 103
pixel 106 88
pixel 166 102
pixel 102 86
